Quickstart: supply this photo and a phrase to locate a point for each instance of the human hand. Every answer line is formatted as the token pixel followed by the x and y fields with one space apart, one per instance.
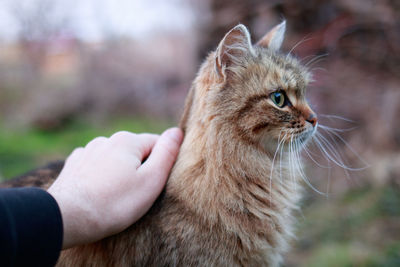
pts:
pixel 104 187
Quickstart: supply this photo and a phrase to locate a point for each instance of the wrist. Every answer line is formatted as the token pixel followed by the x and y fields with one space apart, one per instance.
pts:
pixel 78 219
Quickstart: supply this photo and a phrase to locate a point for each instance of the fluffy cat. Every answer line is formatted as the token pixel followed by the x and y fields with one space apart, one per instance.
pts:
pixel 232 191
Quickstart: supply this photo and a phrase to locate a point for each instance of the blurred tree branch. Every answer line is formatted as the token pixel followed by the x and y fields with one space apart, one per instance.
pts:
pixel 38 22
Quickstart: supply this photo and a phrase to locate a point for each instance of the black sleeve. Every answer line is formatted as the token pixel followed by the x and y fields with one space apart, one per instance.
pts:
pixel 31 229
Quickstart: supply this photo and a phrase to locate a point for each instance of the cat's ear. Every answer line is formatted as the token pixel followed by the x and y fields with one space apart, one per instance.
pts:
pixel 274 38
pixel 235 44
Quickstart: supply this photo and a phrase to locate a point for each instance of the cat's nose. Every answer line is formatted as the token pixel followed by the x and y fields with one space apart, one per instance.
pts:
pixel 312 118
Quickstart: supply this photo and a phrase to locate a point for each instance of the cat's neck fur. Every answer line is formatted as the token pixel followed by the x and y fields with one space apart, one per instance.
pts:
pixel 227 180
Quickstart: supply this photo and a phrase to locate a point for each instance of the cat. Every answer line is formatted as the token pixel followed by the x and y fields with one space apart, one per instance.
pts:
pixel 231 194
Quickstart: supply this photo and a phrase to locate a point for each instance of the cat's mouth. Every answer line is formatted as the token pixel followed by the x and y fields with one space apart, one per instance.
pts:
pixel 305 135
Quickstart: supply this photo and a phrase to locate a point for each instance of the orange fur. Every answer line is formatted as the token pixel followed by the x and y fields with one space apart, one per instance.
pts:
pixel 227 201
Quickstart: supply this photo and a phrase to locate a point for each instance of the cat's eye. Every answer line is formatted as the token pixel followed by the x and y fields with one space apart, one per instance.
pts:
pixel 279 98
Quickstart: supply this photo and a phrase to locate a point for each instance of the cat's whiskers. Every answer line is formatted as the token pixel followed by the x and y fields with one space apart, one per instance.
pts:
pixel 315 60
pixel 295 145
pixel 291 172
pixel 299 144
pixel 331 154
pixel 332 141
pixel 280 158
pixel 280 142
pixel 329 150
pixel 310 155
pixel 315 141
pixel 292 162
pixel 326 148
pixel 335 117
pixel 306 58
pixel 305 39
pixel 332 133
pixel 327 128
pixel 312 70
pixel 334 154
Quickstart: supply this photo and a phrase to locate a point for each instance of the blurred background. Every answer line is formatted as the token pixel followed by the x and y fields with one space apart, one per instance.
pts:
pixel 74 70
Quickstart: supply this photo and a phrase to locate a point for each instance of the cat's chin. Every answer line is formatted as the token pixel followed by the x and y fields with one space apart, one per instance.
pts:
pixel 306 136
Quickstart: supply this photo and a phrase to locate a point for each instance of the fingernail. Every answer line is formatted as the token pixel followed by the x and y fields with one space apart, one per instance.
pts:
pixel 174 133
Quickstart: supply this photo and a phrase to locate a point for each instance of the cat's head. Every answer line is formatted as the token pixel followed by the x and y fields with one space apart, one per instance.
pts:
pixel 254 90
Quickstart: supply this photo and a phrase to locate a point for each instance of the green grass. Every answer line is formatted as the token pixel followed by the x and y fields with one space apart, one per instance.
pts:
pixel 21 151
pixel 331 255
pixel 358 228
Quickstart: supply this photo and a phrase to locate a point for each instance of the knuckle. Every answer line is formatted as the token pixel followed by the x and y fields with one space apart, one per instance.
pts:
pixel 77 150
pixel 122 137
pixel 96 141
pixel 75 153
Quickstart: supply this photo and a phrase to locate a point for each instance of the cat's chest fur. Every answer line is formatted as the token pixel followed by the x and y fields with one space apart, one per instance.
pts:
pixel 222 212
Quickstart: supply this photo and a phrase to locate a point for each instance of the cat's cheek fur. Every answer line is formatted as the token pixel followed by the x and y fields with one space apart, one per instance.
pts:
pixel 270 144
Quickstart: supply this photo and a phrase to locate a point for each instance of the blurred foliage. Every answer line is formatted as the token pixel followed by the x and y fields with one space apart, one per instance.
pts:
pixel 21 151
pixel 358 228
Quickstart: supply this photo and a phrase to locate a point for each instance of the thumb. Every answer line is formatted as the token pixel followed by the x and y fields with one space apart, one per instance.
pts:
pixel 159 163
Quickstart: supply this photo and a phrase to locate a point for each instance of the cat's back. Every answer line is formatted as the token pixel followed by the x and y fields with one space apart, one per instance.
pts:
pixel 41 177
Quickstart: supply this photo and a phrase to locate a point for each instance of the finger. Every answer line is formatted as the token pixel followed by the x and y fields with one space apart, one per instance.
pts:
pixel 146 144
pixel 76 153
pixel 139 144
pixel 96 142
pixel 162 157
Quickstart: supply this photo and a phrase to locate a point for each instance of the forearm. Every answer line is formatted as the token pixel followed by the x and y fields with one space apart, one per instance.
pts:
pixel 31 228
